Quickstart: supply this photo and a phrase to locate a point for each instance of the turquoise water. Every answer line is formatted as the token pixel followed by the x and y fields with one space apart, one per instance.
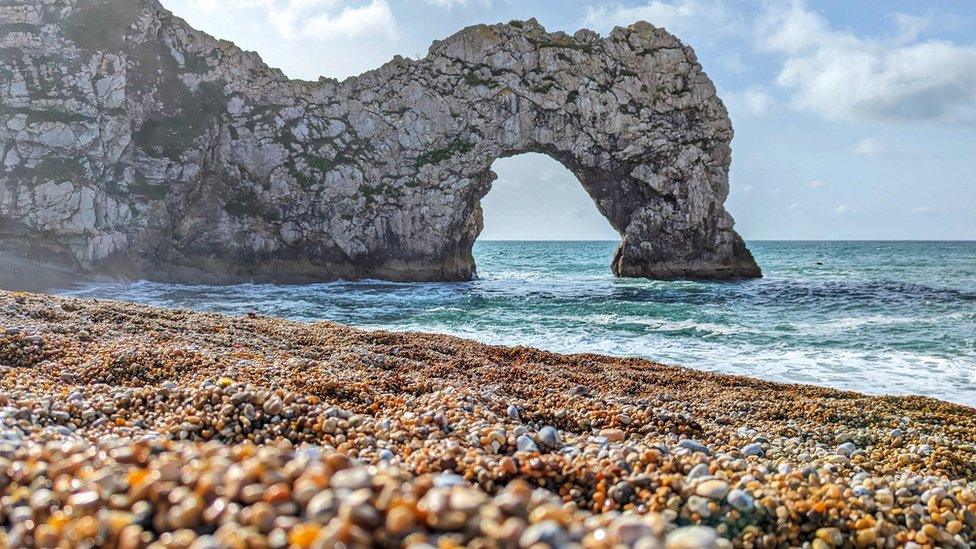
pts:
pixel 877 317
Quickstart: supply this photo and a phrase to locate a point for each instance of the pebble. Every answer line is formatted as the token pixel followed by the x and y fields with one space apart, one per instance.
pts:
pixel 322 507
pixel 698 471
pixel 524 443
pixel 84 502
pixel 172 429
pixel 712 488
pixel 548 436
pixel 694 446
pixel 629 530
pixel 831 536
pixel 273 406
pixel 697 505
pixel 548 533
pixel 513 412
pixel 447 480
pixel 740 499
pixel 622 492
pixel 754 449
pixel 846 449
pixel 692 537
pixel 353 478
pixel 400 520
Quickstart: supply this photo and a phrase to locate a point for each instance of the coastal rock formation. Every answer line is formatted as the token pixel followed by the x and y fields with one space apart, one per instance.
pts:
pixel 134 145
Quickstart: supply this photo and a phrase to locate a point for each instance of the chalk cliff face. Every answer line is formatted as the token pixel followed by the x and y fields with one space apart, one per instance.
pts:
pixel 134 145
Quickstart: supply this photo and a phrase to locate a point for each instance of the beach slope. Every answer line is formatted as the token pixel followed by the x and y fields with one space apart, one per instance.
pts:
pixel 127 426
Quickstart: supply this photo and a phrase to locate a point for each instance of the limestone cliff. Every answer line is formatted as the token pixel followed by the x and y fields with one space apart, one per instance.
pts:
pixel 134 145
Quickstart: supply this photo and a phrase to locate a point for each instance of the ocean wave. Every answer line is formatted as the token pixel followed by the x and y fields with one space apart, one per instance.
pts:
pixel 888 372
pixel 664 325
pixel 856 323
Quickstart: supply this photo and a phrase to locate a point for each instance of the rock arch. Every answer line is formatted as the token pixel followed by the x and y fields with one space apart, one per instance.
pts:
pixel 192 160
pixel 632 116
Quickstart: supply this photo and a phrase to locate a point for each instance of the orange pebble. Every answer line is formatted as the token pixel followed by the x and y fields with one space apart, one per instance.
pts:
pixel 278 493
pixel 303 535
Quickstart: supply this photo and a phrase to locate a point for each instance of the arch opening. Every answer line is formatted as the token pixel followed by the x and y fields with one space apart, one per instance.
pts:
pixel 535 198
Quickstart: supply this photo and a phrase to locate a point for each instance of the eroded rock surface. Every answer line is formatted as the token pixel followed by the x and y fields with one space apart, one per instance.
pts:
pixel 134 145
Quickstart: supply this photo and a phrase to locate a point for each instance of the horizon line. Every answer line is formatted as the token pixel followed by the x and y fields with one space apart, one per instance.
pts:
pixel 961 240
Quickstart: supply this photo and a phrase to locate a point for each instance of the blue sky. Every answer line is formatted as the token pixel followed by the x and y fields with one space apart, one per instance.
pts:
pixel 853 120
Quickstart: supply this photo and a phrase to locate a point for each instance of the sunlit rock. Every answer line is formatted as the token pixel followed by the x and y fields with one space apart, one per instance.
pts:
pixel 135 145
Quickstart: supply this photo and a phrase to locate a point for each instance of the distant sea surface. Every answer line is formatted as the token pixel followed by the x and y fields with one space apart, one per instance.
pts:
pixel 875 317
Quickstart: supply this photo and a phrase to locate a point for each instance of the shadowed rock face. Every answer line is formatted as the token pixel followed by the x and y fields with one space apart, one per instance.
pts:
pixel 134 145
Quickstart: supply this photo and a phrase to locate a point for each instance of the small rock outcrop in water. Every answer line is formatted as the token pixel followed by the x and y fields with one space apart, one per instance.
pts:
pixel 135 145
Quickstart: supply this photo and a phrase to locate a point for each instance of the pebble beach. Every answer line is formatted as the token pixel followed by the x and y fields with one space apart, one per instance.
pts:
pixel 134 427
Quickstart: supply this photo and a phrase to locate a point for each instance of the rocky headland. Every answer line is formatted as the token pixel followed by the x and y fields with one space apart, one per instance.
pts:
pixel 128 426
pixel 132 145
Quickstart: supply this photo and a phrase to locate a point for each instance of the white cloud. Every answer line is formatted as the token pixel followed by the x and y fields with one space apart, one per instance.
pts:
pixel 757 101
pixel 924 210
pixel 842 76
pixel 910 27
pixel 455 3
pixel 680 17
pixel 375 17
pixel 792 31
pixel 753 101
pixel 816 184
pixel 318 19
pixel 870 147
pixel 794 207
pixel 733 63
pixel 232 4
pixel 745 189
pixel 843 209
pixel 877 148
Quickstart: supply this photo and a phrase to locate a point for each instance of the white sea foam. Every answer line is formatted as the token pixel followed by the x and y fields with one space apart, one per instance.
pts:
pixel 890 372
pixel 898 330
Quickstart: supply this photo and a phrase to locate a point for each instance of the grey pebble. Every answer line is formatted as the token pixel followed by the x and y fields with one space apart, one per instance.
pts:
pixel 754 449
pixel 694 446
pixel 512 412
pixel 846 449
pixel 549 436
pixel 740 499
pixel 698 471
pixel 525 443
pixel 547 532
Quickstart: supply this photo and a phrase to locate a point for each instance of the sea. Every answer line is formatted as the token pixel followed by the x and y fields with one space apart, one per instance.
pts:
pixel 876 317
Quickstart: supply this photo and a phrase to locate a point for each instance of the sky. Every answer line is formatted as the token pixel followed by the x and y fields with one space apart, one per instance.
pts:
pixel 853 120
